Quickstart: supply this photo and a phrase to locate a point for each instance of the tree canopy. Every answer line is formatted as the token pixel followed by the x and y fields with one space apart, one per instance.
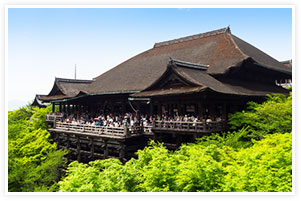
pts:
pixel 264 167
pixel 33 160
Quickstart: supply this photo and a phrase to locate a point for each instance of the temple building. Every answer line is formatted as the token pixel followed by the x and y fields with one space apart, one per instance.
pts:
pixel 216 64
pixel 286 83
pixel 37 102
pixel 207 75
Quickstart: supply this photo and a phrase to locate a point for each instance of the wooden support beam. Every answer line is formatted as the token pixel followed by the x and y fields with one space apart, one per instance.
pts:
pixel 68 147
pixel 67 140
pixel 178 140
pixel 68 109
pixel 92 148
pixel 151 108
pixel 78 148
pixel 200 110
pixel 126 129
pixel 212 110
pixel 64 108
pixel 121 151
pixel 123 109
pixel 224 111
pixel 160 109
pixel 106 150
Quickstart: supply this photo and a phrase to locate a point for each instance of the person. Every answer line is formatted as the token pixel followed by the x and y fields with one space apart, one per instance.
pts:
pixel 194 121
pixel 208 120
pixel 145 123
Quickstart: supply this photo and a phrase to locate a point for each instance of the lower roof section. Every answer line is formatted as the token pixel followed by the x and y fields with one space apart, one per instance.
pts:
pixel 171 91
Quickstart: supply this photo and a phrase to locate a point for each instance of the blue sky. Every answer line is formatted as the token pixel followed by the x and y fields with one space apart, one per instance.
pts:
pixel 44 43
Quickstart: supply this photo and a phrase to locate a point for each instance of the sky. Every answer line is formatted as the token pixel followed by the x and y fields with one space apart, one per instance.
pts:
pixel 44 43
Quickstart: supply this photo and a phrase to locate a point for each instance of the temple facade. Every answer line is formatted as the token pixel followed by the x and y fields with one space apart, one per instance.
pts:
pixel 178 85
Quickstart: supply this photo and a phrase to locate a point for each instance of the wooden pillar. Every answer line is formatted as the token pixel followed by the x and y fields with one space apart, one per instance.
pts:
pixel 64 108
pixel 224 112
pixel 181 112
pixel 79 111
pixel 60 108
pixel 53 107
pixel 78 148
pixel 68 146
pixel 92 148
pixel 200 110
pixel 178 140
pixel 151 108
pixel 126 129
pixel 123 109
pixel 170 109
pixel 67 141
pixel 159 109
pixel 212 110
pixel 106 150
pixel 68 109
pixel 121 151
pixel 204 126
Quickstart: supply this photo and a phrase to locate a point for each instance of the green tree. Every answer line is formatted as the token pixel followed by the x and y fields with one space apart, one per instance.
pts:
pixel 33 161
pixel 264 167
pixel 272 116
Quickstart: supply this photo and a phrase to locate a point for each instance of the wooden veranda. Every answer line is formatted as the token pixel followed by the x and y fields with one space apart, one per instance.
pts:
pixel 87 142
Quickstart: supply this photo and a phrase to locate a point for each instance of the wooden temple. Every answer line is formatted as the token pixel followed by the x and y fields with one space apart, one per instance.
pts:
pixel 206 76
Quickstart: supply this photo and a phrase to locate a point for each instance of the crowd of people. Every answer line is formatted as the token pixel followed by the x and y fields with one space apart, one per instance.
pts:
pixel 131 119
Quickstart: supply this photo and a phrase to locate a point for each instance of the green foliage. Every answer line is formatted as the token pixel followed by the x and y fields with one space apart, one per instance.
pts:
pixel 38 117
pixel 264 167
pixel 33 160
pixel 20 114
pixel 101 175
pixel 199 169
pixel 272 116
pixel 156 169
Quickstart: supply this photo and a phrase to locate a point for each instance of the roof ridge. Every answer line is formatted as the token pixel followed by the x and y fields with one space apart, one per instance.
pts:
pixel 257 49
pixel 193 37
pixel 187 64
pixel 71 80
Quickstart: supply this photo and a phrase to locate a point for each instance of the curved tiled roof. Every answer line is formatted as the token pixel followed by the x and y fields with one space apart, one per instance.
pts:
pixel 215 52
pixel 66 88
pixel 219 50
pixel 200 80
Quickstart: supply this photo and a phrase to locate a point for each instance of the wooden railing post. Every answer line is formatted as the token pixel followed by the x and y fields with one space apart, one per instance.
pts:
pixel 54 122
pixel 204 125
pixel 126 129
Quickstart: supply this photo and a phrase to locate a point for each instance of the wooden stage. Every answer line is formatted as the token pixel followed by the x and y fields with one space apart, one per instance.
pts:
pixel 87 143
